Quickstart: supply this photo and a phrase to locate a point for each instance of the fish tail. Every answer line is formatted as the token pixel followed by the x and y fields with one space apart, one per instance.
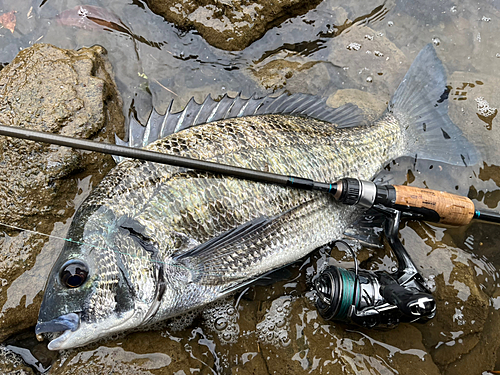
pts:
pixel 420 104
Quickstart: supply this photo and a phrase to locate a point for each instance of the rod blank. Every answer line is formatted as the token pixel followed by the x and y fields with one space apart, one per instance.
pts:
pixel 136 153
pixel 185 162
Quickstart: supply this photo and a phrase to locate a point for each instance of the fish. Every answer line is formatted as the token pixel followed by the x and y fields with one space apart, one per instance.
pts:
pixel 89 17
pixel 153 241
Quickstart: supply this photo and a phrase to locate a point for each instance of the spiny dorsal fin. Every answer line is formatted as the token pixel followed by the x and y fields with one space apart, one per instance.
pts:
pixel 160 126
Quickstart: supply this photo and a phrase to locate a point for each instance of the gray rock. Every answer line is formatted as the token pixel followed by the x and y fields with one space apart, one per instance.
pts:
pixel 54 90
pixel 229 24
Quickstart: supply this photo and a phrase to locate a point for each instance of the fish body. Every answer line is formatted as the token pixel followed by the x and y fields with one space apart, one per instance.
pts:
pixel 153 241
pixel 90 17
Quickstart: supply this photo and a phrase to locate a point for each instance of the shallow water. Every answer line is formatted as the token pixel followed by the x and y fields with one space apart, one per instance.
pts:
pixel 365 45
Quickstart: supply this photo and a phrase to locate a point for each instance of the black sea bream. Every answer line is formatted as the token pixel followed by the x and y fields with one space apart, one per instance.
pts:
pixel 154 241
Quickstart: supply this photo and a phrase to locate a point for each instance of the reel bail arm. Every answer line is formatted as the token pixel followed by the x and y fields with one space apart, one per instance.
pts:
pixel 376 299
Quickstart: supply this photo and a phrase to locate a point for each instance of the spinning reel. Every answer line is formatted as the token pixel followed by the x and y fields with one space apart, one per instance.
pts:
pixel 376 299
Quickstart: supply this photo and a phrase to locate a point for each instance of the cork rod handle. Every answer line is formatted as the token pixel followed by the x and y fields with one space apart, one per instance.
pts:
pixel 452 209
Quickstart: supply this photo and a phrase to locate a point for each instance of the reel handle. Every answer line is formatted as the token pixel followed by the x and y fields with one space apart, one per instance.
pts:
pixel 414 304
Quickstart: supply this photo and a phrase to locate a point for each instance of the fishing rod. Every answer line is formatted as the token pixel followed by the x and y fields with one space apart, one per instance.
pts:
pixel 422 204
pixel 366 298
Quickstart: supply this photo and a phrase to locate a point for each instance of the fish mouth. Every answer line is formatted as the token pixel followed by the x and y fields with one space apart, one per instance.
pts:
pixel 73 332
pixel 64 324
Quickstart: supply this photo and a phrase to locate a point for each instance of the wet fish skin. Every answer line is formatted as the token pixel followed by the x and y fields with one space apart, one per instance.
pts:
pixel 177 210
pixel 195 207
pixel 161 240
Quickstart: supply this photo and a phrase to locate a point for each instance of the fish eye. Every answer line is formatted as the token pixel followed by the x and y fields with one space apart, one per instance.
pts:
pixel 74 273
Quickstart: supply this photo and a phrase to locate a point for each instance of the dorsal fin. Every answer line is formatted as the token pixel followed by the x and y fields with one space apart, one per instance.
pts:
pixel 160 126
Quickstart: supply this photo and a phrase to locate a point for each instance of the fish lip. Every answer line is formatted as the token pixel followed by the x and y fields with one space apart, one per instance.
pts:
pixel 68 322
pixel 87 332
pixel 58 342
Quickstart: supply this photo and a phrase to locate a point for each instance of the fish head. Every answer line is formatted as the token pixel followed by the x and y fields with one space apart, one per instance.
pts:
pixel 90 293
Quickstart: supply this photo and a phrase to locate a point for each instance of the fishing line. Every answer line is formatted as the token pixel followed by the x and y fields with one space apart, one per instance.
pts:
pixel 99 248
pixel 80 243
pixel 36 232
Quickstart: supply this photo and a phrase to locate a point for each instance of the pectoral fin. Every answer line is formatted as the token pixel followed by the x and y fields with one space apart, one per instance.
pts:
pixel 230 258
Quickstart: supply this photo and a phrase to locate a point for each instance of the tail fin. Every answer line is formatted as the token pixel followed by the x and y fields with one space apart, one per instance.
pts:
pixel 420 104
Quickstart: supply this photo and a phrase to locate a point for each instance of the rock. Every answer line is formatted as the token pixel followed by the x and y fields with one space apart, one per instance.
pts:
pixel 312 345
pixel 12 364
pixel 473 105
pixel 229 24
pixel 115 359
pixel 141 353
pixel 61 91
pixel 23 347
pixel 371 105
pixel 275 73
pixel 463 325
pixel 369 59
pixel 66 92
pixel 320 346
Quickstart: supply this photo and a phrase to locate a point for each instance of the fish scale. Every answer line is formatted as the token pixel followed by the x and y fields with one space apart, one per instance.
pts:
pixel 191 214
pixel 195 186
pixel 155 241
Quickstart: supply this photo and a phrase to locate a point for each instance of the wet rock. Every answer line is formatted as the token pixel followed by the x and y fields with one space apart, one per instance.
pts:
pixel 113 359
pixel 312 345
pixel 463 311
pixel 66 92
pixel 229 24
pixel 29 350
pixel 474 99
pixel 370 59
pixel 18 254
pixel 483 355
pixel 54 90
pixel 481 239
pixel 192 350
pixel 372 106
pixel 464 323
pixel 320 346
pixel 12 364
pixel 275 73
pixel 296 76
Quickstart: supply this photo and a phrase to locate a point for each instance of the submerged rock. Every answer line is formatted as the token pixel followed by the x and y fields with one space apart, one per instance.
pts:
pixel 66 92
pixel 370 59
pixel 462 338
pixel 12 364
pixel 61 91
pixel 230 24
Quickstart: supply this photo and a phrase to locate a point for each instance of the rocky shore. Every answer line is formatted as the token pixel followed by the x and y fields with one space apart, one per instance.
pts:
pixel 65 92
